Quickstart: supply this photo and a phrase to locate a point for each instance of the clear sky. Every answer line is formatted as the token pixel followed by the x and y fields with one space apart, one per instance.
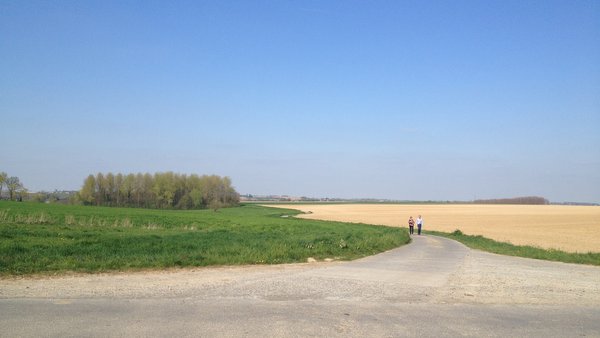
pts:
pixel 449 100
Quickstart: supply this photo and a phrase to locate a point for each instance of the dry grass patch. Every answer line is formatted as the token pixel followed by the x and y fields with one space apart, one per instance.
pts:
pixel 567 228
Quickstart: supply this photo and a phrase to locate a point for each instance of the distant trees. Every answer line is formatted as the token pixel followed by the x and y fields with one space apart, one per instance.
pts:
pixel 55 196
pixel 13 185
pixel 166 190
pixel 515 200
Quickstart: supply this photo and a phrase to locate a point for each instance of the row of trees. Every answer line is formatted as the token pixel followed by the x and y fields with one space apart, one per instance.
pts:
pixel 15 188
pixel 515 200
pixel 162 190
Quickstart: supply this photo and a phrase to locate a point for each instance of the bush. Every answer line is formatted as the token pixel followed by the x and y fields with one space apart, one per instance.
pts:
pixel 457 232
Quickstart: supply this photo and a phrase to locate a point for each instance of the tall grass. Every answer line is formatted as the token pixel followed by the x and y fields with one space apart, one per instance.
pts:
pixel 503 248
pixel 46 238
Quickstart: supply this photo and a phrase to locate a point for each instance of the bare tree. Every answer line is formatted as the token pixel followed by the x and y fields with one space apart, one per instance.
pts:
pixel 13 184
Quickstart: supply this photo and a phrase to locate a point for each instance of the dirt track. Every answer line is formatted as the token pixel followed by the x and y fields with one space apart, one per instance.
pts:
pixel 457 275
pixel 500 296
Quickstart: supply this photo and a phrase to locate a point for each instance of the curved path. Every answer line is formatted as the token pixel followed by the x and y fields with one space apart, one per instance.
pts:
pixel 431 287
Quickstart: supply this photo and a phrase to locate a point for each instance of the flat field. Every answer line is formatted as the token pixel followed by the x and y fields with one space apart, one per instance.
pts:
pixel 49 238
pixel 566 228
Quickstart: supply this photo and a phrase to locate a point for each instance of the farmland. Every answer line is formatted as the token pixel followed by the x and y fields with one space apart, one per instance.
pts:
pixel 566 228
pixel 49 238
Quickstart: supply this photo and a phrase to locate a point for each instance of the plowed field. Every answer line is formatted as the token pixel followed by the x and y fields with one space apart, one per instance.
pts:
pixel 568 228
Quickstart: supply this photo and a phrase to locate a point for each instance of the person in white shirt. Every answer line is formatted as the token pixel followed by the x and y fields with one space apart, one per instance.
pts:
pixel 419 224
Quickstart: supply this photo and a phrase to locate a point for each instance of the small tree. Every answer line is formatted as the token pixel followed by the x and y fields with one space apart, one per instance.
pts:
pixel 3 177
pixel 13 184
pixel 22 193
pixel 88 191
pixel 215 205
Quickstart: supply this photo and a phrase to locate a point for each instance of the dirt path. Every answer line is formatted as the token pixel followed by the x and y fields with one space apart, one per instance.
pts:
pixel 433 276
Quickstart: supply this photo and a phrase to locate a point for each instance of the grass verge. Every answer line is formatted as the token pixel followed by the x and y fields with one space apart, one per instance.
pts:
pixel 526 251
pixel 51 238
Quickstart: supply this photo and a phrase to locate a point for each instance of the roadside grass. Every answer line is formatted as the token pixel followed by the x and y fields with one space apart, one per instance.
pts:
pixel 526 251
pixel 53 238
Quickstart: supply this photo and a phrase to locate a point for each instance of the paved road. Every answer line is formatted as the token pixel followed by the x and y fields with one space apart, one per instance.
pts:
pixel 432 287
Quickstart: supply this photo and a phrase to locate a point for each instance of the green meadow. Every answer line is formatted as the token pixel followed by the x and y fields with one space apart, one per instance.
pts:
pixel 55 238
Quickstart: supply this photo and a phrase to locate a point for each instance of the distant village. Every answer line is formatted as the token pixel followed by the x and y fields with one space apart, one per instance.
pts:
pixel 285 198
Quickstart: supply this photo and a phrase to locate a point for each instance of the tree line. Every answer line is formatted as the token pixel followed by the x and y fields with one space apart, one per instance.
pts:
pixel 166 190
pixel 16 189
pixel 515 200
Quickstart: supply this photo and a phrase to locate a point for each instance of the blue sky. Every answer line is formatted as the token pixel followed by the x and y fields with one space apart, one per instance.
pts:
pixel 449 100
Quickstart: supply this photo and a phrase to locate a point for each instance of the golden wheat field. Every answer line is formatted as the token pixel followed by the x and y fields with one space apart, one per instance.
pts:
pixel 568 228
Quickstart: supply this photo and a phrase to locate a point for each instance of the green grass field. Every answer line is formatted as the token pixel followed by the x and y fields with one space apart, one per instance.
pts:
pixel 526 251
pixel 54 238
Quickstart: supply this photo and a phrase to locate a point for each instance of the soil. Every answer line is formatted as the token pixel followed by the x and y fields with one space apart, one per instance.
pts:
pixel 432 269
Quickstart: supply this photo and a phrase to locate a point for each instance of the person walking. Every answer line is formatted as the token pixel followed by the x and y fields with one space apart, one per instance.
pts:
pixel 419 224
pixel 411 225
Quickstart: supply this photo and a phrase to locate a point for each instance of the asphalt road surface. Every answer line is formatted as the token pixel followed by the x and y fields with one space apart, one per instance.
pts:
pixel 431 287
